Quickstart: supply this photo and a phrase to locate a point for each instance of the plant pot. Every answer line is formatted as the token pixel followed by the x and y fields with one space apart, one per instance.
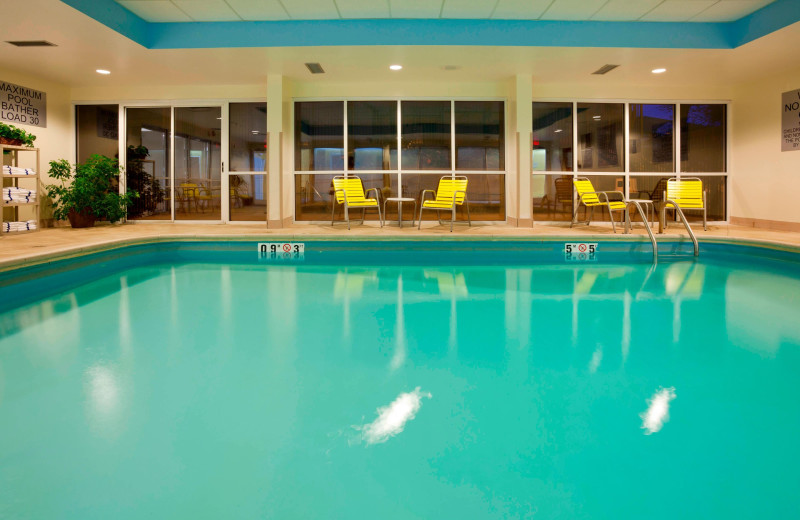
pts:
pixel 13 142
pixel 82 219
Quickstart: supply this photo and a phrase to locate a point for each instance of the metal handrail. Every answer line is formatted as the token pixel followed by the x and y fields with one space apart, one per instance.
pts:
pixel 679 212
pixel 646 226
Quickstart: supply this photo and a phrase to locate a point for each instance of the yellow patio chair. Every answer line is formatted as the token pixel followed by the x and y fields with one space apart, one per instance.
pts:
pixel 452 192
pixel 591 199
pixel 686 193
pixel 349 192
pixel 186 194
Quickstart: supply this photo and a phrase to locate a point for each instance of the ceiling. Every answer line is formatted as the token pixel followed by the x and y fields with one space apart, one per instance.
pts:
pixel 161 11
pixel 84 44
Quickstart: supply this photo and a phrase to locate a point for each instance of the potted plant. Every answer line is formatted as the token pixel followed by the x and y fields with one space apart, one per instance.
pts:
pixel 88 192
pixel 10 134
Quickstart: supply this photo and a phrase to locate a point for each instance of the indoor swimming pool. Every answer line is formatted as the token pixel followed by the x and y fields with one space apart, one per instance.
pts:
pixel 480 380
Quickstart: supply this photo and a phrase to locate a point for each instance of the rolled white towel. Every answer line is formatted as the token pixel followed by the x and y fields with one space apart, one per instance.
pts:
pixel 13 195
pixel 15 170
pixel 28 225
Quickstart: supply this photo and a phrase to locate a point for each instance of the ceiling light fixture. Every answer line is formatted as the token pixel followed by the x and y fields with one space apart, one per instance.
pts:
pixel 395 67
pixel 103 71
pixel 558 130
pixel 254 132
pixel 658 71
pixel 596 117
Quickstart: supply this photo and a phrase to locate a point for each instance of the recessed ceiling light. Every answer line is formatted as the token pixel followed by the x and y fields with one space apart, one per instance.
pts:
pixel 596 117
pixel 658 71
pixel 558 130
pixel 395 67
pixel 103 71
pixel 254 132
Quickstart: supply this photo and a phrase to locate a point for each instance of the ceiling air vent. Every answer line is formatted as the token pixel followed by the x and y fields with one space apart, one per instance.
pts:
pixel 315 68
pixel 32 43
pixel 605 69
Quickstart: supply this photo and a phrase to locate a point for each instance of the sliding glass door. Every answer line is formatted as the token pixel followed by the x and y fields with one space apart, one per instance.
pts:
pixel 198 163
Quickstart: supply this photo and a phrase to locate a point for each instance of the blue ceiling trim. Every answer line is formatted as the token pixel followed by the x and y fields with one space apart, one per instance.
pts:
pixel 517 33
pixel 115 17
pixel 768 19
pixel 310 33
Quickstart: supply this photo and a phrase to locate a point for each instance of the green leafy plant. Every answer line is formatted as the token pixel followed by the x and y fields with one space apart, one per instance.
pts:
pixel 89 189
pixel 12 132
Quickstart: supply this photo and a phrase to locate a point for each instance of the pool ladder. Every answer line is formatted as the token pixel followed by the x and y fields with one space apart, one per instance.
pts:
pixel 661 226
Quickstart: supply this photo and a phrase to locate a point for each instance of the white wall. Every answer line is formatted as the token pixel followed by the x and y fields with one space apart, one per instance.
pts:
pixel 767 181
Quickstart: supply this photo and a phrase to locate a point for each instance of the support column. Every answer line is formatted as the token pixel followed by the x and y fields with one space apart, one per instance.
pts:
pixel 524 125
pixel 274 152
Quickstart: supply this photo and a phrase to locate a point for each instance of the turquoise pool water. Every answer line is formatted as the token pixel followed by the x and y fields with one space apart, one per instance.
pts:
pixel 212 389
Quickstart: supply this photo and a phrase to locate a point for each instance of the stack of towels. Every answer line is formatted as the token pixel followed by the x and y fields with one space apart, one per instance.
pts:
pixel 13 170
pixel 12 194
pixel 8 227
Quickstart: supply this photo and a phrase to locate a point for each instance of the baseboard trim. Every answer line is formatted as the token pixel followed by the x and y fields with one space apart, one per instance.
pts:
pixel 776 225
pixel 525 222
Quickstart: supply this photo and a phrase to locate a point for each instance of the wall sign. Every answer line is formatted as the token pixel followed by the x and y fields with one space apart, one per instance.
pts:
pixel 23 105
pixel 790 136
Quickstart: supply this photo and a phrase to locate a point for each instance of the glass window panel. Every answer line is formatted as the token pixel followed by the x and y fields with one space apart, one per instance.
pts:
pixel 319 135
pixel 146 169
pixel 552 197
pixel 426 135
pixel 198 163
pixel 703 138
pixel 652 138
pixel 372 135
pixel 248 137
pixel 552 137
pixel 248 198
pixel 480 130
pixel 600 137
pixel 96 130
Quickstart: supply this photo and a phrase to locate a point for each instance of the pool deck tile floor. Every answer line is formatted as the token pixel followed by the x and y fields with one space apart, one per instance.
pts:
pixel 34 247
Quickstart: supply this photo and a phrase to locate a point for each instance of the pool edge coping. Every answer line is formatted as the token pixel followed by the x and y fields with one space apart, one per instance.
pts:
pixel 112 244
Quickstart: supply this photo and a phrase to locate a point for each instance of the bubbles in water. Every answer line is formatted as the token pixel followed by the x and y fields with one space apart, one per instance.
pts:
pixel 393 418
pixel 657 412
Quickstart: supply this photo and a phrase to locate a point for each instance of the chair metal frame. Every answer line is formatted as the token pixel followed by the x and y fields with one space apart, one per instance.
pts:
pixel 344 202
pixel 452 207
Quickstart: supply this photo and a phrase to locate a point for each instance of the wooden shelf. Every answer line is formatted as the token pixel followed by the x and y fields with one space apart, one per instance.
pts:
pixel 14 155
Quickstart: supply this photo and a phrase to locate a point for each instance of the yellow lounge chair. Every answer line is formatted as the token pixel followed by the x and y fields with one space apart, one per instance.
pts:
pixel 452 192
pixel 349 192
pixel 686 193
pixel 591 199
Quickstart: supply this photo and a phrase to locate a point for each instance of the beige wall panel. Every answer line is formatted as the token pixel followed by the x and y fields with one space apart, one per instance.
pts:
pixel 767 180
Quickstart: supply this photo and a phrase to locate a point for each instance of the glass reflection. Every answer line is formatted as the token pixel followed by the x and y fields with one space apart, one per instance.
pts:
pixel 657 412
pixel 392 419
pixel 147 162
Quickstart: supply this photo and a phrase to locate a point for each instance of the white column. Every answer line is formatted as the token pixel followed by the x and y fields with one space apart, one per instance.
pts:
pixel 524 125
pixel 274 156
